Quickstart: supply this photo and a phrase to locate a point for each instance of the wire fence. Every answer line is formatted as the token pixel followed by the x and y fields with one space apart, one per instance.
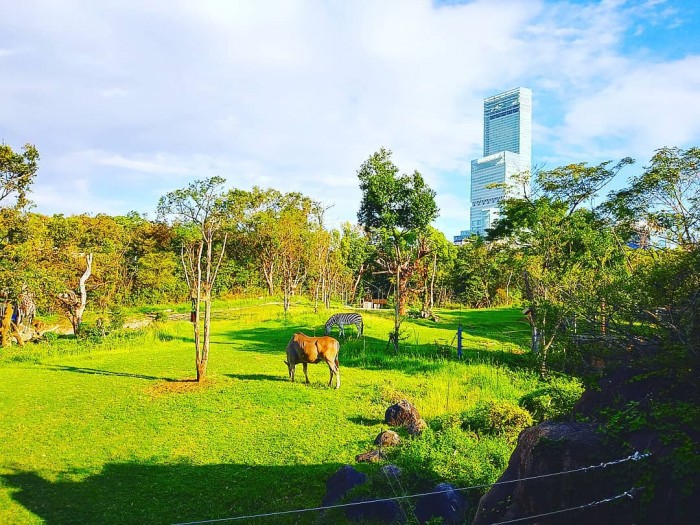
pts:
pixel 630 493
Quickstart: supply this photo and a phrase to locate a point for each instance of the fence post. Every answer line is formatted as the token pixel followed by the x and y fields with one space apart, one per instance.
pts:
pixel 459 341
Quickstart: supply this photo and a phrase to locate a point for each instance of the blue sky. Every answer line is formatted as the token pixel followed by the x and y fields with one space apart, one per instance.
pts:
pixel 128 100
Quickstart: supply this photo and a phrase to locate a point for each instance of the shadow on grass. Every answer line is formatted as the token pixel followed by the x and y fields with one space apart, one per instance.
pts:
pixel 97 371
pixel 366 422
pixel 127 493
pixel 257 377
pixel 375 354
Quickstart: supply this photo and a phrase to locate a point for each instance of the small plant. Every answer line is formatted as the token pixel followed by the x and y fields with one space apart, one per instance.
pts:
pixel 161 317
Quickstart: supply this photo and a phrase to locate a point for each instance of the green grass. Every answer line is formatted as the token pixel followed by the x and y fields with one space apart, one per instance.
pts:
pixel 115 433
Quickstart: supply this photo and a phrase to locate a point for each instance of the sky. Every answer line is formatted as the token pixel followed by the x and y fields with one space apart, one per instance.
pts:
pixel 128 100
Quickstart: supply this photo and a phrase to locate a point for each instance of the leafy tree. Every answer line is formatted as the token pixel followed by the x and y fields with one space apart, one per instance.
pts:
pixel 432 268
pixel 357 253
pixel 17 172
pixel 570 251
pixel 394 211
pixel 666 196
pixel 201 211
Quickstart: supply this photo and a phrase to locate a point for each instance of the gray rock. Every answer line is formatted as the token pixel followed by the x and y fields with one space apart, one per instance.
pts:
pixel 388 438
pixel 340 483
pixel 450 505
pixel 373 456
pixel 401 414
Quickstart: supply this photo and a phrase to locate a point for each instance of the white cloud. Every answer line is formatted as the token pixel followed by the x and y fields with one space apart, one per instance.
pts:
pixel 138 99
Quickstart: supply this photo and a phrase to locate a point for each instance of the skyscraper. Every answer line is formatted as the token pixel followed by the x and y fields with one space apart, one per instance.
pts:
pixel 507 152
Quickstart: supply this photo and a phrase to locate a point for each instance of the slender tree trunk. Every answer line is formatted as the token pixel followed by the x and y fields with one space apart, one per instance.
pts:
pixel 532 314
pixel 432 282
pixel 201 370
pixel 356 283
pixel 80 310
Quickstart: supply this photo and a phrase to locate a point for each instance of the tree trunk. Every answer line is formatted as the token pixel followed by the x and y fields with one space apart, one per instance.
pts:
pixel 199 364
pixel 356 283
pixel 432 282
pixel 531 314
pixel 6 325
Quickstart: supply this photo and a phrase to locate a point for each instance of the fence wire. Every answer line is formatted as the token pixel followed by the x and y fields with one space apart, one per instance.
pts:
pixel 630 493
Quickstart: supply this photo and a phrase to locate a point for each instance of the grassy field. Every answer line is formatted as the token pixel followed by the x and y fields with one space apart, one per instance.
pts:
pixel 116 432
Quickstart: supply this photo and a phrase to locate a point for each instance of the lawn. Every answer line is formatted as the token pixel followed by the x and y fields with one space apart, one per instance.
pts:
pixel 116 432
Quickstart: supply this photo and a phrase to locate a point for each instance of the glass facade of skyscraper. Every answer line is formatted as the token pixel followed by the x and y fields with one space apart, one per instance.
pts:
pixel 507 152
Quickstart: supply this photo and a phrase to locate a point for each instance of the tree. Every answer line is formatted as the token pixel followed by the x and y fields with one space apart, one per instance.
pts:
pixel 394 211
pixel 666 196
pixel 201 211
pixel 569 249
pixel 17 172
pixel 356 252
pixel 431 267
pixel 73 304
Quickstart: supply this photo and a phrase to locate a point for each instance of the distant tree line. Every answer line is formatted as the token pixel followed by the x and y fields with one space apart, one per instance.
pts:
pixel 582 266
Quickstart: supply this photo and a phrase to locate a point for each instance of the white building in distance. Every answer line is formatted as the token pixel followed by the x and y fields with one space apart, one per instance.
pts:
pixel 507 152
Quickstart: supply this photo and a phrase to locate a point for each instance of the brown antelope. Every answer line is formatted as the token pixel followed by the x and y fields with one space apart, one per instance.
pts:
pixel 304 349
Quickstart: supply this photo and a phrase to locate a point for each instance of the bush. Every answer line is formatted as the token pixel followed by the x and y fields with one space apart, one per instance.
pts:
pixel 117 317
pixel 161 317
pixel 553 402
pixel 453 455
pixel 497 417
pixel 94 333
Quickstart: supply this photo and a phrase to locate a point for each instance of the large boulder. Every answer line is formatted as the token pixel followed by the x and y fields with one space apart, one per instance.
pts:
pixel 340 483
pixel 449 504
pixel 551 448
pixel 401 414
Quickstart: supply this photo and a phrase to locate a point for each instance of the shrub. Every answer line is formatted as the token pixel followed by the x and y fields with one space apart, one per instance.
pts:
pixel 497 417
pixel 555 401
pixel 116 317
pixel 454 456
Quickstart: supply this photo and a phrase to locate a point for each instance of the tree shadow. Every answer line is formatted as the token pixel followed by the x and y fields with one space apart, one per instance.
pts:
pixel 495 336
pixel 97 371
pixel 127 493
pixel 257 377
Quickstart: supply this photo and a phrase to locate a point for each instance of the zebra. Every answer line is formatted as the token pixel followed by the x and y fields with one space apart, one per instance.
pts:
pixel 343 320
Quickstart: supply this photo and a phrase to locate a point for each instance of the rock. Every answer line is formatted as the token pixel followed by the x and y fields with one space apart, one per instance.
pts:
pixel 401 414
pixel 416 427
pixel 388 438
pixel 550 448
pixel 451 505
pixel 376 511
pixel 340 483
pixel 373 456
pixel 391 471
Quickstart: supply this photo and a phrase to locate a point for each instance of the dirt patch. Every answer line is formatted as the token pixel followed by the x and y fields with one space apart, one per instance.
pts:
pixel 181 386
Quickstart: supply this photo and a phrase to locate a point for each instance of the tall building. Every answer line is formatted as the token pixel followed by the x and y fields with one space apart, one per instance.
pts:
pixel 507 152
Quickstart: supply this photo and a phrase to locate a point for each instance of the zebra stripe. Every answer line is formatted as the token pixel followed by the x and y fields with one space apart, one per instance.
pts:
pixel 343 320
